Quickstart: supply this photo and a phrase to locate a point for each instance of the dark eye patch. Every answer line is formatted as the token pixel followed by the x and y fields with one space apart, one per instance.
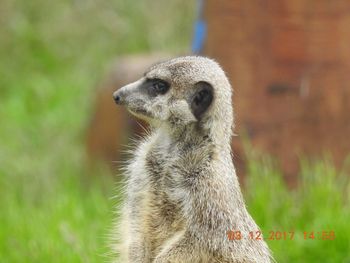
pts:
pixel 155 87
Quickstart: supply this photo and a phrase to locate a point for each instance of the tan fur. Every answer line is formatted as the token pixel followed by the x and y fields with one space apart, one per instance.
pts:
pixel 182 193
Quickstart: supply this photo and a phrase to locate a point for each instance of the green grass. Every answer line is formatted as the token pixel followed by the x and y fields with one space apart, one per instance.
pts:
pixel 54 205
pixel 68 224
pixel 321 202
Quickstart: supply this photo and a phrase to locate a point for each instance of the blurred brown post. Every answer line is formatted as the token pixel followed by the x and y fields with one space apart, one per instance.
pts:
pixel 289 63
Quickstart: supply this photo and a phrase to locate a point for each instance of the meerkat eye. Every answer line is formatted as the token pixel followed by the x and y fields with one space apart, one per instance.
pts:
pixel 160 86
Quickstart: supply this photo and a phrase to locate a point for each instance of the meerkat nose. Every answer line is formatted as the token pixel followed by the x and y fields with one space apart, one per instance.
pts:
pixel 117 97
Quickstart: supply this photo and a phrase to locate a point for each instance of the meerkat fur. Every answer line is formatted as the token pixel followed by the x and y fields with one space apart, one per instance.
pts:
pixel 182 194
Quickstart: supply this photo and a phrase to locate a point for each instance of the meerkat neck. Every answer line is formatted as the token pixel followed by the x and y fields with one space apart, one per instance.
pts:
pixel 193 134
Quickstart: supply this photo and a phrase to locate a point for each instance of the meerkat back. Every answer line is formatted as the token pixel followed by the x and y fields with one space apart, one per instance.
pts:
pixel 182 195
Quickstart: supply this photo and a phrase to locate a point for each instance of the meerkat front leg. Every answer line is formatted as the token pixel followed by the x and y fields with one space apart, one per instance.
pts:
pixel 179 248
pixel 137 249
pixel 134 246
pixel 138 252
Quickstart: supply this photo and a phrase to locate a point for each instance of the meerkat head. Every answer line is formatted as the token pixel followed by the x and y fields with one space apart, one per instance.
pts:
pixel 180 92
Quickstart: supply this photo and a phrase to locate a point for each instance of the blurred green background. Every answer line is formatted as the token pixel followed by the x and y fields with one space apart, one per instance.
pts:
pixel 55 206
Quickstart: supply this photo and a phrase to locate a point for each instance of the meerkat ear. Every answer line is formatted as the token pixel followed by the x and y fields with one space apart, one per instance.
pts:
pixel 201 99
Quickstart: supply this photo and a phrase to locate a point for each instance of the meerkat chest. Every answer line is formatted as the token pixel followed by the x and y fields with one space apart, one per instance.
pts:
pixel 159 163
pixel 164 211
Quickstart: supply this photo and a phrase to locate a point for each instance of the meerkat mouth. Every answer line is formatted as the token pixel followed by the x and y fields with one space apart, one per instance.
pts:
pixel 140 113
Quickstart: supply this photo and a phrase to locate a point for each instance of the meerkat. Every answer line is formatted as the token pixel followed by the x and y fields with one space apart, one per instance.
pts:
pixel 182 193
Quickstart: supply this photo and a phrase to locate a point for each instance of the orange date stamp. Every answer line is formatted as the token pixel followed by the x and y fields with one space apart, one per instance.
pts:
pixel 233 235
